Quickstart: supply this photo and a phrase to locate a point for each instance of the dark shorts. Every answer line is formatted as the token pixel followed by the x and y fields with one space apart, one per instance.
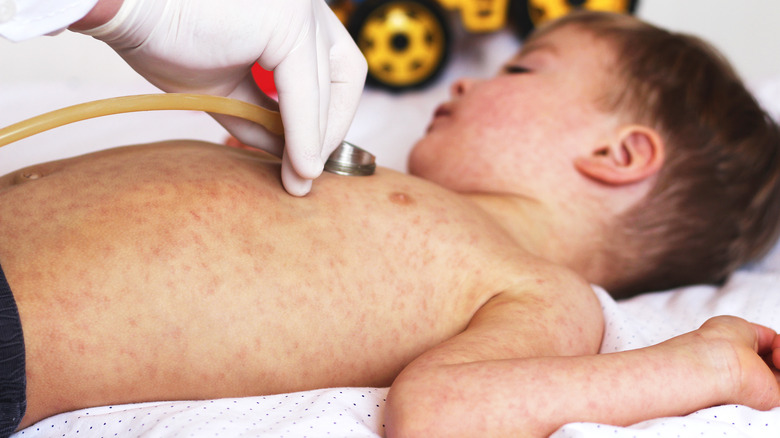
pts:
pixel 13 382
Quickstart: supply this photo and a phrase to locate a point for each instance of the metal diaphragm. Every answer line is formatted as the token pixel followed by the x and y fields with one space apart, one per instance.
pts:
pixel 351 160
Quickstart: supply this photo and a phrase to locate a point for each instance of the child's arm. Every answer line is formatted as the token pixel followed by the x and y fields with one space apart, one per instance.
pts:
pixel 526 365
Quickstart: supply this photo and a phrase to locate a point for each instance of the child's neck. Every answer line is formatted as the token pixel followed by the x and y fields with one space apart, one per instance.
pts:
pixel 562 235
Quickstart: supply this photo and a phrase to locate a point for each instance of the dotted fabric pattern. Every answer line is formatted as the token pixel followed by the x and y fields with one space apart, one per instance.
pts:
pixel 342 412
pixel 729 421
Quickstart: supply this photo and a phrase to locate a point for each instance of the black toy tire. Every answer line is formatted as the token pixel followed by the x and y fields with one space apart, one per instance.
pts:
pixel 439 34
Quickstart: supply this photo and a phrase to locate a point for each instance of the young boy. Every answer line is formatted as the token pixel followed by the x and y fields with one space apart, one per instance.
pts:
pixel 182 270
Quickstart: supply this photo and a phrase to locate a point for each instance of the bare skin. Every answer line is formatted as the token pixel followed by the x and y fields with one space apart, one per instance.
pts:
pixel 183 271
pixel 532 396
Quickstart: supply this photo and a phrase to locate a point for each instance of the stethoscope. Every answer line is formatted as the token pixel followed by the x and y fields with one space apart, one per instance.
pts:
pixel 347 159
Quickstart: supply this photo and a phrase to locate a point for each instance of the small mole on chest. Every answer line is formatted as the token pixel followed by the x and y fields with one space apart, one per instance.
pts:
pixel 400 198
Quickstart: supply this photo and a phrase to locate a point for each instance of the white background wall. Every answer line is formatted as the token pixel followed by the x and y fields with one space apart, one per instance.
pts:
pixel 747 31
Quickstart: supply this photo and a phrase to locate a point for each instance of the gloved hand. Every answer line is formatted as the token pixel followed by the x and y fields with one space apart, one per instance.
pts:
pixel 208 46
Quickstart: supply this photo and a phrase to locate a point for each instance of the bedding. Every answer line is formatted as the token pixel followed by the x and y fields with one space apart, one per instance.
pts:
pixel 753 292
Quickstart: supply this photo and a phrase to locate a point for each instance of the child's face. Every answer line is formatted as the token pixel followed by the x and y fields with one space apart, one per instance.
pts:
pixel 527 124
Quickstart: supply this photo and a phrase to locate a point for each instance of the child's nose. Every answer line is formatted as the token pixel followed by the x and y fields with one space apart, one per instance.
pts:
pixel 461 86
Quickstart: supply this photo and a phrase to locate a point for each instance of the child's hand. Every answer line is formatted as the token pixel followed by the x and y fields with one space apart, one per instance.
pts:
pixel 749 355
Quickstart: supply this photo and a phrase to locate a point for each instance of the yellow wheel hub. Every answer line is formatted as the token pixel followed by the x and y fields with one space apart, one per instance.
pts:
pixel 542 11
pixel 403 43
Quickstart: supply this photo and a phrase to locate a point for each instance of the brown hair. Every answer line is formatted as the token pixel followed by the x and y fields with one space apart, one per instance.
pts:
pixel 716 201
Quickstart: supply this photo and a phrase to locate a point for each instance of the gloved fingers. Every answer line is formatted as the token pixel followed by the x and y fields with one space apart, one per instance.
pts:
pixel 292 182
pixel 347 70
pixel 323 79
pixel 343 105
pixel 247 90
pixel 248 132
pixel 251 134
pixel 297 84
pixel 348 74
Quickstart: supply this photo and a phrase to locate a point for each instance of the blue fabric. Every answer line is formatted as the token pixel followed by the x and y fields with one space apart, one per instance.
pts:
pixel 13 381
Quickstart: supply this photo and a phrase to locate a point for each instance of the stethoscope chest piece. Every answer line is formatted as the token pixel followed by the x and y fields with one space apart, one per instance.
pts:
pixel 350 160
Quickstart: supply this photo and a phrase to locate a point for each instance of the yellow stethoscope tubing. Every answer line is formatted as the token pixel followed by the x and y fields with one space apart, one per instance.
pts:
pixel 271 120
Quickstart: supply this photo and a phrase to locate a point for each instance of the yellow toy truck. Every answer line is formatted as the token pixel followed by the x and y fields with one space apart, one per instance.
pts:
pixel 407 42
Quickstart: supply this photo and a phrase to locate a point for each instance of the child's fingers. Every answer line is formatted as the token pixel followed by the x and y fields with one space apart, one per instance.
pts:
pixel 762 339
pixel 775 353
pixel 767 339
pixel 776 360
pixel 772 356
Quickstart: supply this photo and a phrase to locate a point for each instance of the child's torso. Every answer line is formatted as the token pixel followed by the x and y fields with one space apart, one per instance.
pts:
pixel 184 266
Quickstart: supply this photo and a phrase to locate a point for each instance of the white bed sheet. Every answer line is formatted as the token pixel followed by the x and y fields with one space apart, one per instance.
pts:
pixel 753 293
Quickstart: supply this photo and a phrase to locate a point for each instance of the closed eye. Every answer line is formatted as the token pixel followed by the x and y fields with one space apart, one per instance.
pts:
pixel 516 69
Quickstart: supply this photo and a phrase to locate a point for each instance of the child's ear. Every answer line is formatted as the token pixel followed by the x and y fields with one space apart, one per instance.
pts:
pixel 636 154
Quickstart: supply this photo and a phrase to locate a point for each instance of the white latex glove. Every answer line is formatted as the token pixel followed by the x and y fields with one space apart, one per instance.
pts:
pixel 209 46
